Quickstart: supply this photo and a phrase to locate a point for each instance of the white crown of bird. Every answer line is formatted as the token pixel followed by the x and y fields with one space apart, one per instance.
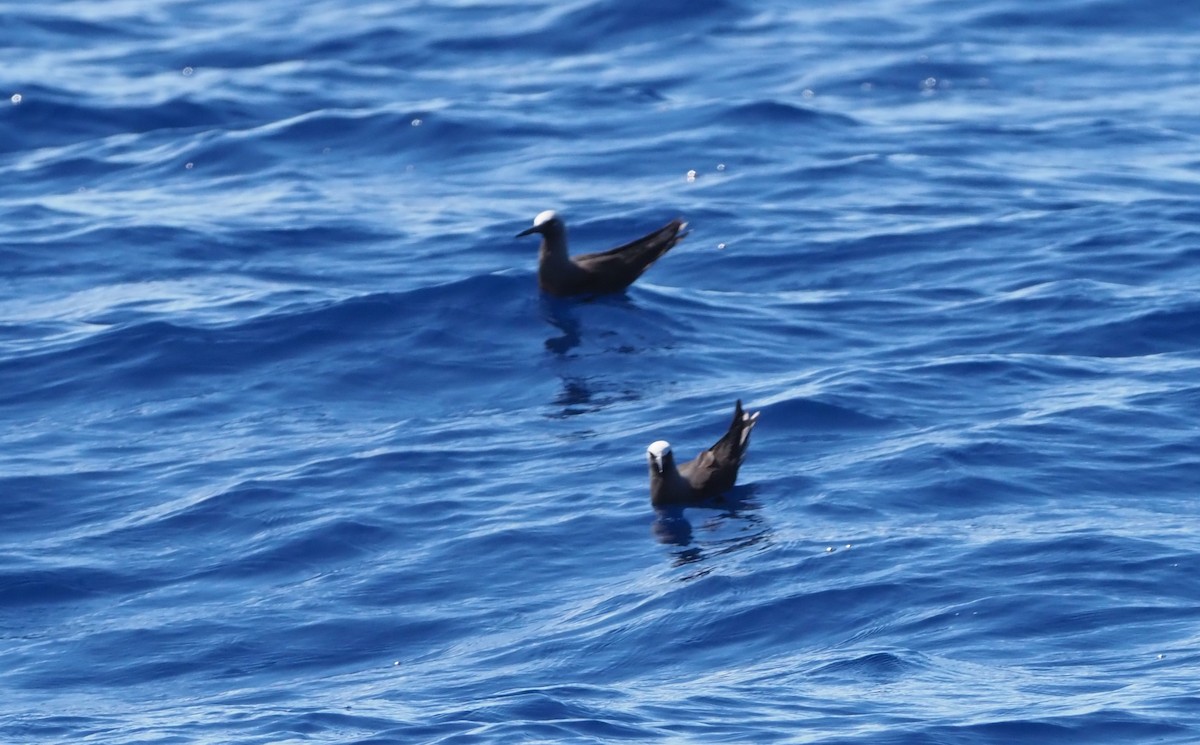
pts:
pixel 659 449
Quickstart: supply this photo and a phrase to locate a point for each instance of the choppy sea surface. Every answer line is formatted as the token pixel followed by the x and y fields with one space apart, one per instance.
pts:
pixel 291 450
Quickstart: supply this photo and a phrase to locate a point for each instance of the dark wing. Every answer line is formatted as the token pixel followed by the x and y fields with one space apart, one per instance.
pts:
pixel 732 447
pixel 619 267
pixel 715 470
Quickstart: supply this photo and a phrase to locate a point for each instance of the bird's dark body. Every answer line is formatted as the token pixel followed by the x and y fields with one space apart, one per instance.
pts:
pixel 597 273
pixel 709 474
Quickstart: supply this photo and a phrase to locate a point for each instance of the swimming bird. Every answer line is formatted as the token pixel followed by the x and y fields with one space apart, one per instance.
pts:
pixel 712 472
pixel 595 273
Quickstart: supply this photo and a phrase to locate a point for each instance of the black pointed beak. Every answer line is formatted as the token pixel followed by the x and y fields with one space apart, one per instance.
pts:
pixel 528 231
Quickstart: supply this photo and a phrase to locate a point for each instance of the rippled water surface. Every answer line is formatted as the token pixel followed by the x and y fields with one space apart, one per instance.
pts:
pixel 293 451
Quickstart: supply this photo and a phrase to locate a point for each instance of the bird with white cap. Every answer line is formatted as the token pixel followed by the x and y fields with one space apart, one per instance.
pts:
pixel 709 474
pixel 596 273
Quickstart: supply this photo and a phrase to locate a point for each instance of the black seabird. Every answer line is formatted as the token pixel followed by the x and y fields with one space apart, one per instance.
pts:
pixel 711 473
pixel 595 273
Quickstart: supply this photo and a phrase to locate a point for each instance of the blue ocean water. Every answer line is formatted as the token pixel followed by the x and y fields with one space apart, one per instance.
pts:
pixel 293 451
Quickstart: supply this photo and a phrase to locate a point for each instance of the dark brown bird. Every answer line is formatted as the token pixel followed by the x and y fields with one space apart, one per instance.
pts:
pixel 595 273
pixel 712 472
